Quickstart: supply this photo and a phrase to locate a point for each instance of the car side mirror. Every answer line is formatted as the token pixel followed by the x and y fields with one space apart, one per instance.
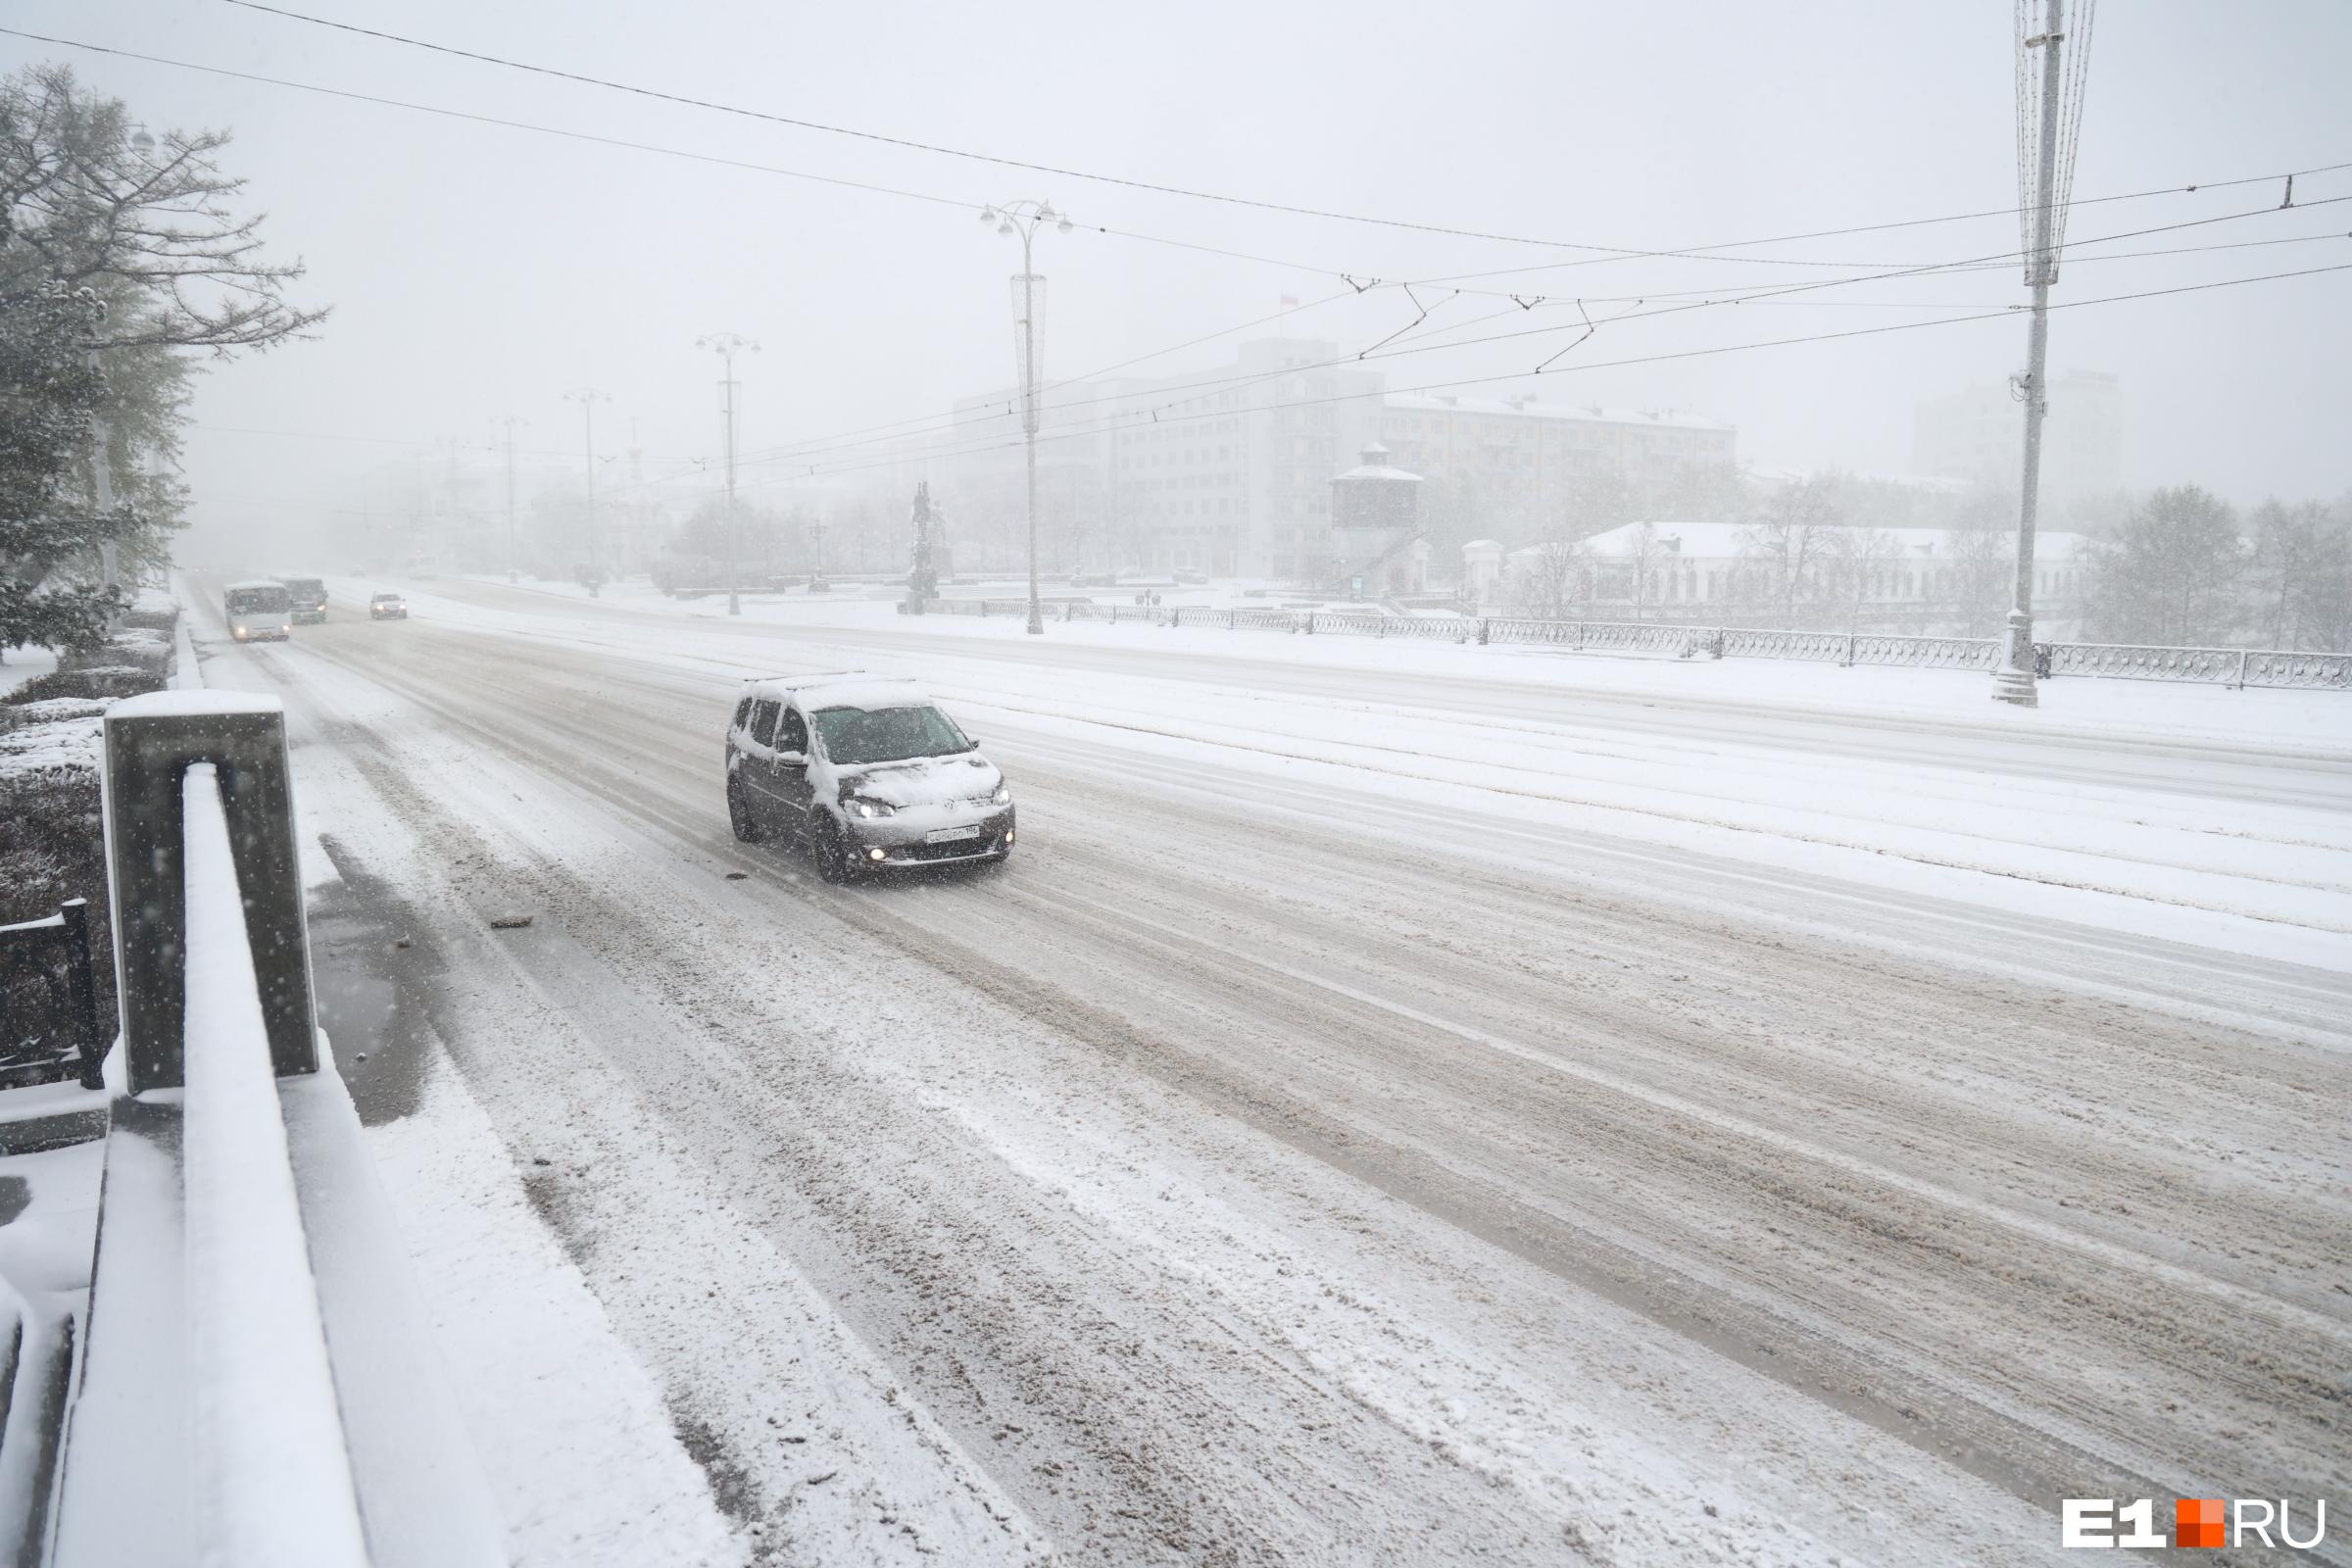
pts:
pixel 791 759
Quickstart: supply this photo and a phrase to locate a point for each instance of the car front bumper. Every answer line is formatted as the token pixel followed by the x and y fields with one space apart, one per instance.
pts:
pixel 906 843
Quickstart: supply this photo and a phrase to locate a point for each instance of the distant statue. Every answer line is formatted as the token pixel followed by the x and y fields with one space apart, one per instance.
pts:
pixel 923 579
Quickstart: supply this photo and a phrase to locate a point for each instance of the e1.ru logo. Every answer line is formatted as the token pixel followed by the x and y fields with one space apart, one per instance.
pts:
pixel 2196 1522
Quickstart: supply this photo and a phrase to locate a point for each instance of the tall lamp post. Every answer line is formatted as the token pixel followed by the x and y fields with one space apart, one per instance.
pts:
pixel 1024 218
pixel 2054 105
pixel 509 422
pixel 588 398
pixel 727 345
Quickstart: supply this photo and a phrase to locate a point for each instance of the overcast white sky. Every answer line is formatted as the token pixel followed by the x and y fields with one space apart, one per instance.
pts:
pixel 477 271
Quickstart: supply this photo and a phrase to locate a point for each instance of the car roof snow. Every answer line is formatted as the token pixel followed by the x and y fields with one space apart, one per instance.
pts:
pixel 793 683
pixel 864 691
pixel 256 582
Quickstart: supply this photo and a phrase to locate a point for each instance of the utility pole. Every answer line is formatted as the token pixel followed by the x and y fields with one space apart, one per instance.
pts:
pixel 727 345
pixel 2060 108
pixel 509 422
pixel 1023 218
pixel 588 398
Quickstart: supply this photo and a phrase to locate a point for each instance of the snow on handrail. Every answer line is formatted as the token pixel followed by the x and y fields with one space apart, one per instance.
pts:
pixel 275 1477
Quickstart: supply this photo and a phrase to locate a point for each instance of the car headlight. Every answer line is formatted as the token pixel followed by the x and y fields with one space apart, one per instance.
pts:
pixel 859 806
pixel 1003 795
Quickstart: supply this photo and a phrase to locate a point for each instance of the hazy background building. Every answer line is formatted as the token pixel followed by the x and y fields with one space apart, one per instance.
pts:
pixel 1976 435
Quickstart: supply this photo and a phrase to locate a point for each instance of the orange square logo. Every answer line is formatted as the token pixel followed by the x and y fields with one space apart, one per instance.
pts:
pixel 2197 1522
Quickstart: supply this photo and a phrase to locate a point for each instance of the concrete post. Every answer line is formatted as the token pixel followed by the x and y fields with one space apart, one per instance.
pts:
pixel 151 742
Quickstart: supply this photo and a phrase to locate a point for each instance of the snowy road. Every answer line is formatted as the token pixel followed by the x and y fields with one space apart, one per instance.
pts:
pixel 1451 1111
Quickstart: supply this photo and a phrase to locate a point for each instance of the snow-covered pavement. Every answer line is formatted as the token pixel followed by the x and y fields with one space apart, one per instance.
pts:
pixel 1402 1103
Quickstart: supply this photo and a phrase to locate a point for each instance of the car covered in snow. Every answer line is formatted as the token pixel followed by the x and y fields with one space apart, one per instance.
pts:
pixel 306 597
pixel 862 773
pixel 387 606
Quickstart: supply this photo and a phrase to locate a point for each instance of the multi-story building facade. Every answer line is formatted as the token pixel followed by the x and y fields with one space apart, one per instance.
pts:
pixel 1978 436
pixel 1228 471
pixel 1233 476
pixel 1225 472
pixel 1524 459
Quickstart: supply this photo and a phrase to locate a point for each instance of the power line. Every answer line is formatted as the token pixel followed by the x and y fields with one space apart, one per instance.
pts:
pixel 830 442
pixel 1588 365
pixel 1647 358
pixel 805 450
pixel 1054 169
pixel 1700 252
pixel 800 454
pixel 912 145
pixel 380 101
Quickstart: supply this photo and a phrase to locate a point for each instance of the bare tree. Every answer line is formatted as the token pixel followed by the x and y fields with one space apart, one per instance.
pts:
pixel 153 225
pixel 1645 550
pixel 1554 580
pixel 1982 579
pixel 2301 574
pixel 1794 539
pixel 1860 562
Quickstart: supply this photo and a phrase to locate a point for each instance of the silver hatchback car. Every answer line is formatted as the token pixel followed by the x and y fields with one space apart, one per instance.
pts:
pixel 863 774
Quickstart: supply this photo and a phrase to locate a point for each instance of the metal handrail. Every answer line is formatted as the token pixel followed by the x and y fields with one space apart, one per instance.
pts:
pixel 2235 667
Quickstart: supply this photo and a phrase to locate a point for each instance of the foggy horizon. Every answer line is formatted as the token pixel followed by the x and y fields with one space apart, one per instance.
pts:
pixel 477 271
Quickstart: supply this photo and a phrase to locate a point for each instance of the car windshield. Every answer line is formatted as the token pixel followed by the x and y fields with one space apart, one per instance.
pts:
pixel 256 600
pixel 859 735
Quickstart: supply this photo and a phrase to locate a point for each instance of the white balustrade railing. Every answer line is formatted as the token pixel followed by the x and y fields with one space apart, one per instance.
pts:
pixel 2223 666
pixel 274 1484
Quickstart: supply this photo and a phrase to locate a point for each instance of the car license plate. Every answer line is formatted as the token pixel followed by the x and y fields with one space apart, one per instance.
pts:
pixel 951 835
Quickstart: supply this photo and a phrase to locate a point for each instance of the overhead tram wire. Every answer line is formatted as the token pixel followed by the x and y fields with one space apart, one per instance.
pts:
pixel 1686 252
pixel 1588 365
pixel 1700 252
pixel 1122 181
pixel 1195 390
pixel 868 186
pixel 1613 253
pixel 732 163
pixel 1602 364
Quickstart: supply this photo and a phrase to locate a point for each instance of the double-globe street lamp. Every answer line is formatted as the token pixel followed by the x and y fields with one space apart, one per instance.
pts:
pixel 1025 218
pixel 588 398
pixel 727 345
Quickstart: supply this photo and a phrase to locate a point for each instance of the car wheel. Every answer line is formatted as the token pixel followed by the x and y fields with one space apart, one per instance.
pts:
pixel 739 816
pixel 831 851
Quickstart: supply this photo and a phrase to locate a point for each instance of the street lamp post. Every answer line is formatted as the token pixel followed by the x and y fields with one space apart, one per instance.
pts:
pixel 1024 218
pixel 509 422
pixel 727 345
pixel 588 398
pixel 2058 108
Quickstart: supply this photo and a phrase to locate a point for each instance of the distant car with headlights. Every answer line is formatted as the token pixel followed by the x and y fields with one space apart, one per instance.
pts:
pixel 306 598
pixel 387 606
pixel 258 611
pixel 862 774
